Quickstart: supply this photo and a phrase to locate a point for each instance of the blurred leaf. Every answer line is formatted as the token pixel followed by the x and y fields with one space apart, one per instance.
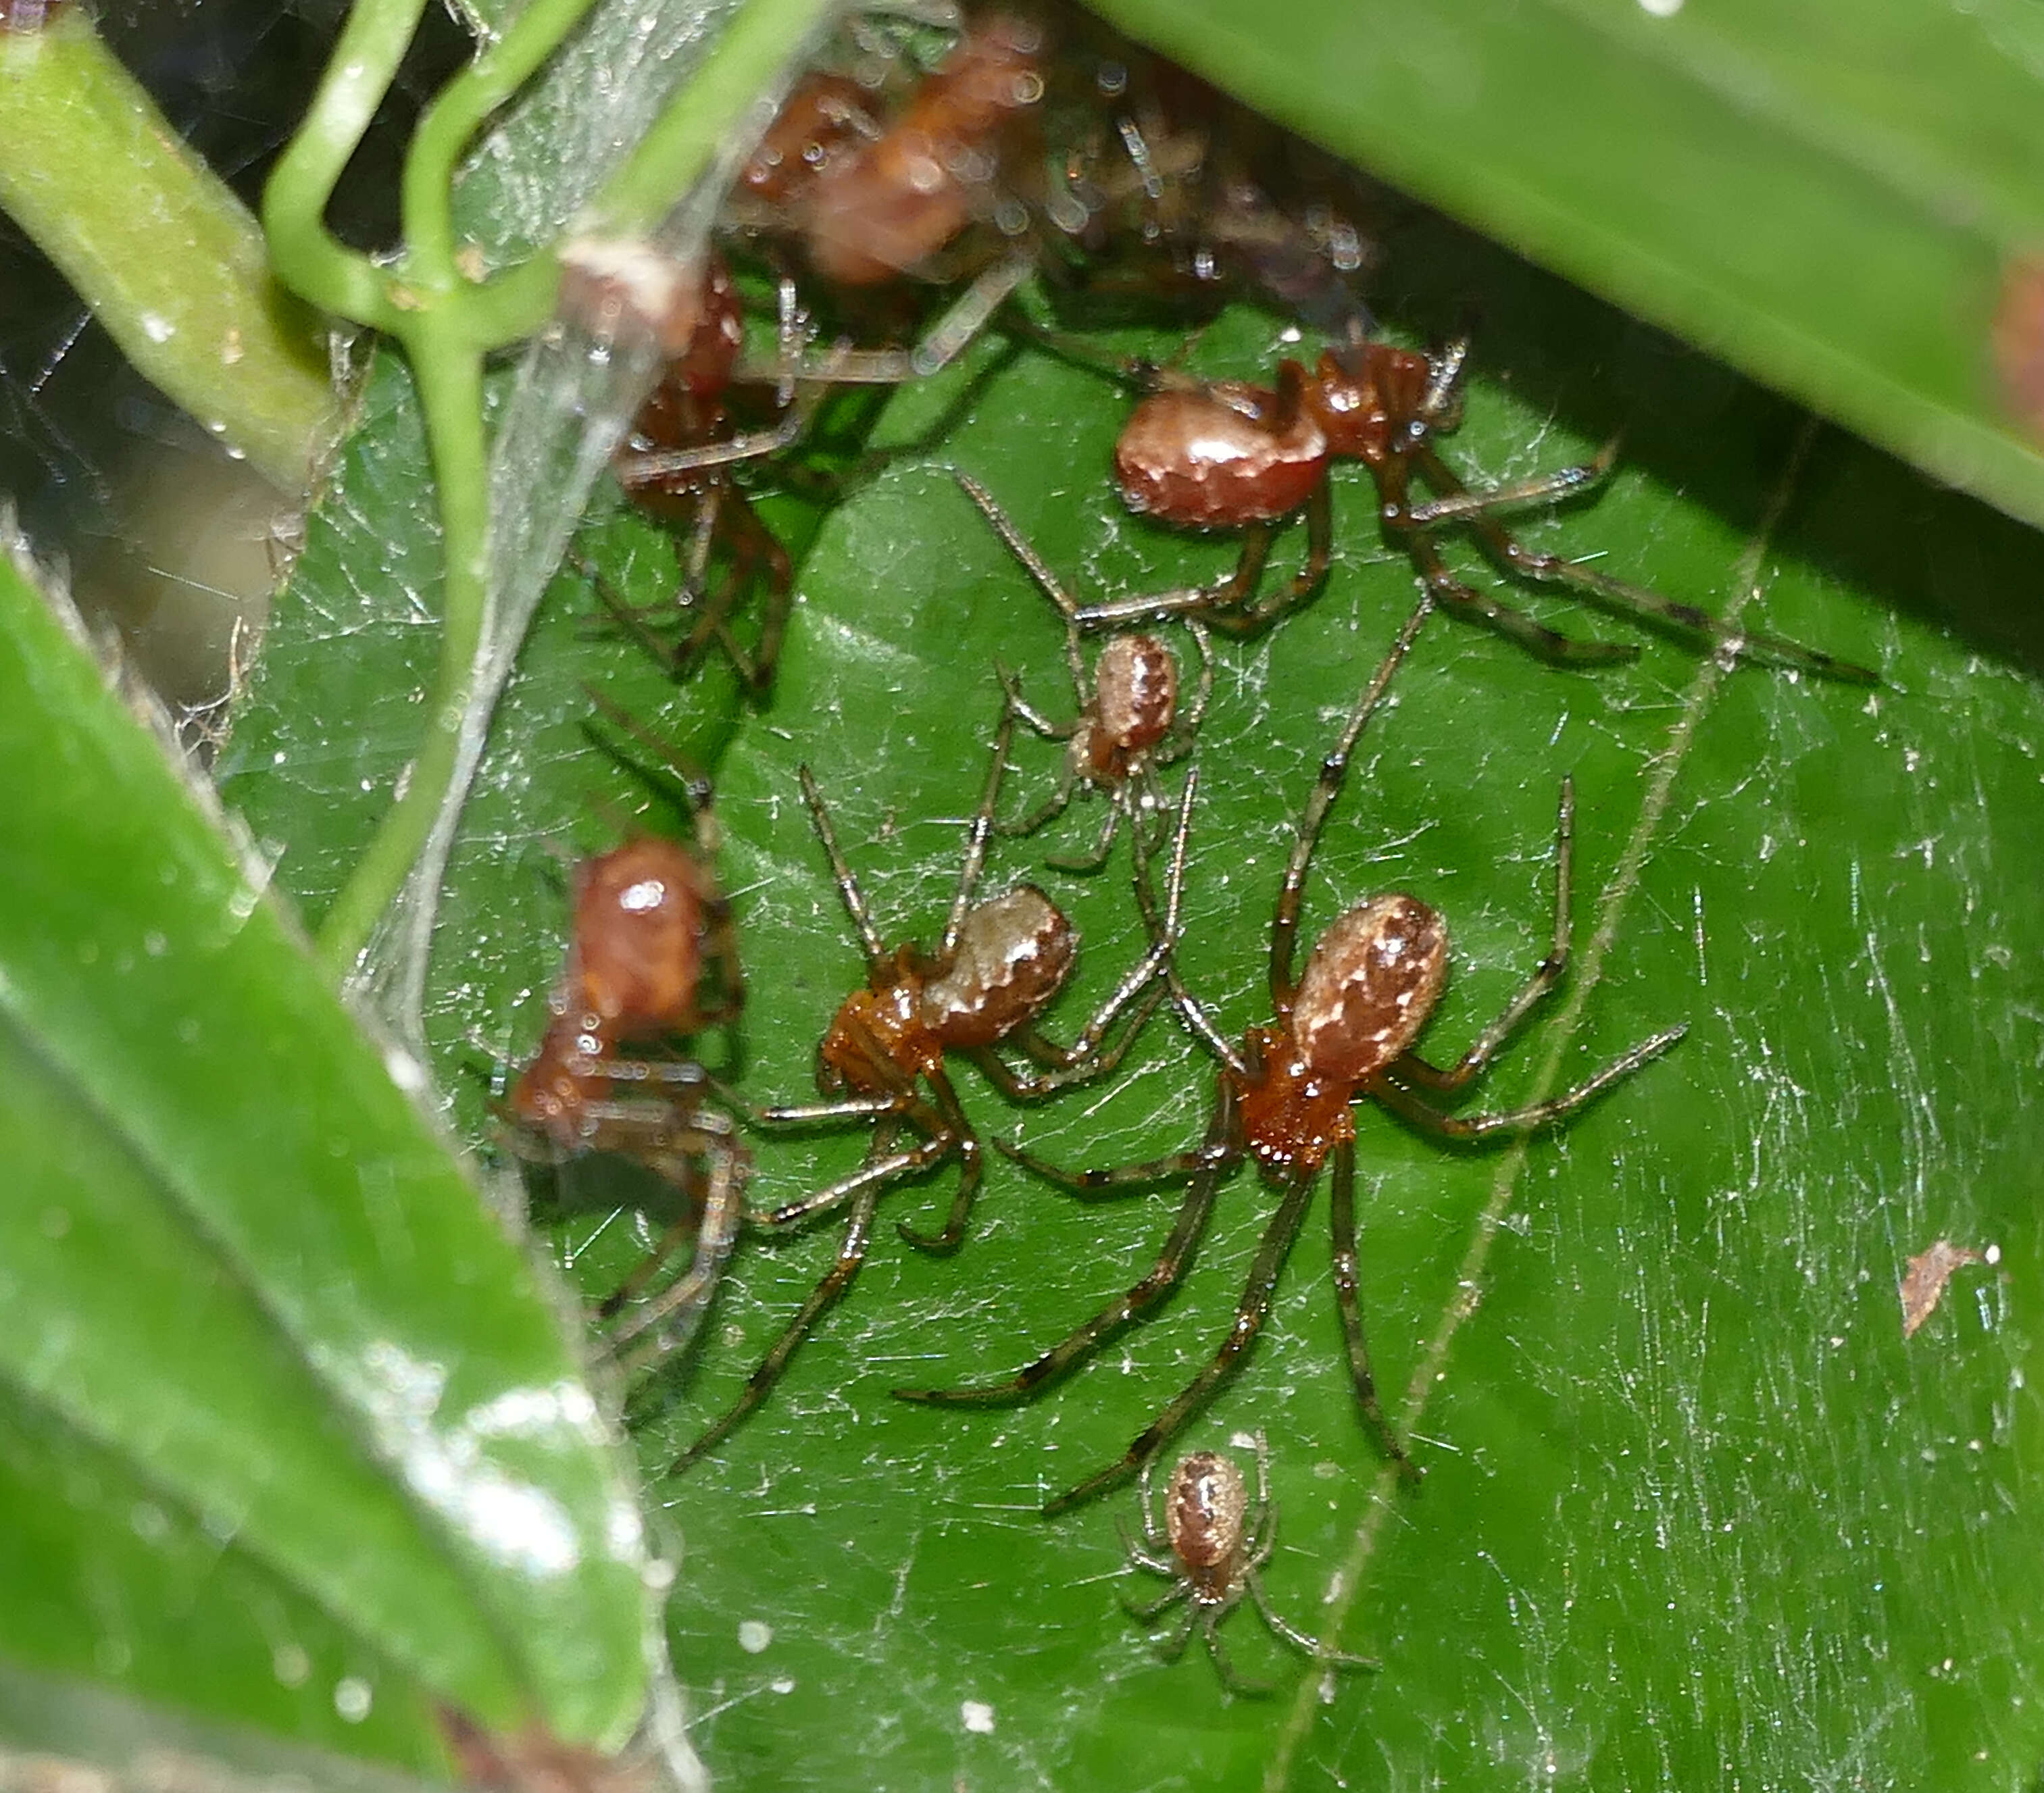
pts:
pixel 1825 197
pixel 291 1434
pixel 1693 1513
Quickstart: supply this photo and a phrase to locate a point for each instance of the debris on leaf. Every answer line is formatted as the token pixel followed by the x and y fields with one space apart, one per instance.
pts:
pixel 1924 1286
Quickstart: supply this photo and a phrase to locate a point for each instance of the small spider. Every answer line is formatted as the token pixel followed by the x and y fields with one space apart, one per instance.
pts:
pixel 1000 964
pixel 650 933
pixel 1217 1547
pixel 1233 455
pixel 1345 1030
pixel 862 198
pixel 676 466
pixel 1129 725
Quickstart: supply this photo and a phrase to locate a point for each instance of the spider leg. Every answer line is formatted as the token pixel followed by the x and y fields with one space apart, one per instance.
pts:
pixel 668 1323
pixel 667 1152
pixel 1171 1649
pixel 1047 582
pixel 874 1175
pixel 850 1254
pixel 1637 601
pixel 630 618
pixel 1080 1063
pixel 755 549
pixel 1540 488
pixel 847 884
pixel 1210 604
pixel 1271 1251
pixel 1541 643
pixel 941 345
pixel 976 832
pixel 809 1114
pixel 1342 1210
pixel 1185 728
pixel 642 467
pixel 1032 719
pixel 1297 1638
pixel 1124 1179
pixel 1153 1533
pixel 948 1121
pixel 1148 1612
pixel 1210 1620
pixel 1048 811
pixel 1253 617
pixel 1191 1010
pixel 1163 1276
pixel 1082 864
pixel 1412 1107
pixel 1334 770
pixel 1086 1057
pixel 1547 975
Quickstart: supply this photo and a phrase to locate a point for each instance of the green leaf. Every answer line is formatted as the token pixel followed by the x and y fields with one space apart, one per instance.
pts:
pixel 1824 197
pixel 1694 1510
pixel 292 1435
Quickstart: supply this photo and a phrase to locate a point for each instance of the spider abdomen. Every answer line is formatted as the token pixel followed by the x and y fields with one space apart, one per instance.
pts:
pixel 639 919
pixel 1374 979
pixel 1204 1508
pixel 1219 457
pixel 1012 956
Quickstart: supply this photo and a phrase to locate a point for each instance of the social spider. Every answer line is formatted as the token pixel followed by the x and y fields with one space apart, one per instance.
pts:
pixel 1217 1546
pixel 999 965
pixel 650 931
pixel 1129 725
pixel 1345 1030
pixel 1233 455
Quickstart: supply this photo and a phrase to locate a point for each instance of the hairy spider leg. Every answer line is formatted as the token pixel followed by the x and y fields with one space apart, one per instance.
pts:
pixel 754 551
pixel 1206 1168
pixel 1272 1249
pixel 667 1323
pixel 851 1255
pixel 1645 606
pixel 1348 1305
pixel 1334 771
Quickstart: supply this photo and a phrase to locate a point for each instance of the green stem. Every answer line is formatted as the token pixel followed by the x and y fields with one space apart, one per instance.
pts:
pixel 168 259
pixel 454 118
pixel 449 372
pixel 307 257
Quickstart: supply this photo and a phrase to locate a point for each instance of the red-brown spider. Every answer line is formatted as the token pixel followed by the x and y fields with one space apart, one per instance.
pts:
pixel 676 466
pixel 1129 725
pixel 1217 1545
pixel 998 966
pixel 1344 1030
pixel 651 933
pixel 1233 455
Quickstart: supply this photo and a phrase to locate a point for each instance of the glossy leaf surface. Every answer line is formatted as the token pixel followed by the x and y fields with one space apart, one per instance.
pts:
pixel 291 1433
pixel 1828 198
pixel 1693 1507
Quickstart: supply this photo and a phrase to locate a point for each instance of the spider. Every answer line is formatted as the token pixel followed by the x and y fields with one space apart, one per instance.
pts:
pixel 997 967
pixel 676 466
pixel 650 928
pixel 1212 1548
pixel 1345 1030
pixel 1233 455
pixel 1129 722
